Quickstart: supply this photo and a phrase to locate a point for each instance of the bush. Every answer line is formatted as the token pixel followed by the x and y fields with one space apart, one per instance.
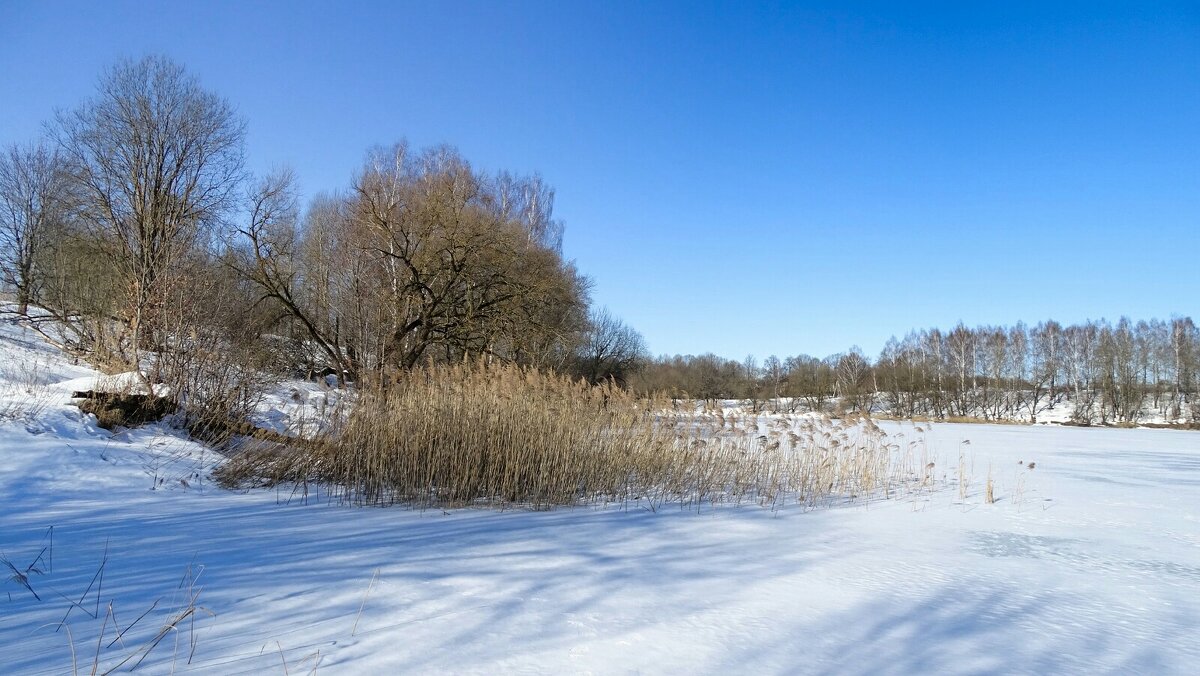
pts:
pixel 123 409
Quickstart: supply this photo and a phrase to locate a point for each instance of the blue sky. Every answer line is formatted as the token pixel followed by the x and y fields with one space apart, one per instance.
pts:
pixel 736 178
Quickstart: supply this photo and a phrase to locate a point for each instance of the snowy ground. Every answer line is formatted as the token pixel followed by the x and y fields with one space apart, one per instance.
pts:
pixel 1088 562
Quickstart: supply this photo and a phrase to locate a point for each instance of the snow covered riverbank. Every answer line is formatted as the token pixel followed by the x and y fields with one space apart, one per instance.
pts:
pixel 1088 562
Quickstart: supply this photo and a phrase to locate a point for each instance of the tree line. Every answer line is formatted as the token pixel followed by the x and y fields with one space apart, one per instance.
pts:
pixel 1108 373
pixel 134 224
pixel 135 227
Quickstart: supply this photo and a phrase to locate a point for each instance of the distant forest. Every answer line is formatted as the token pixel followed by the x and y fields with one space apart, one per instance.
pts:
pixel 1109 373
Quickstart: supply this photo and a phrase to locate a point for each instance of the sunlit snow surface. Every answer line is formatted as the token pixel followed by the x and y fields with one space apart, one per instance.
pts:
pixel 1090 562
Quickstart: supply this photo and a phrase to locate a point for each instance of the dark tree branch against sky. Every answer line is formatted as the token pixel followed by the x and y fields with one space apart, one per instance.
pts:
pixel 734 178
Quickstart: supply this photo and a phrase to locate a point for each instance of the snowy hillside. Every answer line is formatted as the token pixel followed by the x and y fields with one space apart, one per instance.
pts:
pixel 1089 561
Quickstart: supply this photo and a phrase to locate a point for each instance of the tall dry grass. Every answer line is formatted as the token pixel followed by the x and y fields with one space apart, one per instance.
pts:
pixel 476 433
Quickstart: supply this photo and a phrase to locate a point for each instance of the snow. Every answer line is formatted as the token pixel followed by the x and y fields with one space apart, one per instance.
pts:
pixel 299 407
pixel 1089 562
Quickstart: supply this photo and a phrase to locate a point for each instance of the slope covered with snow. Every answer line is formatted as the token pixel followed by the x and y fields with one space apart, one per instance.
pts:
pixel 1088 562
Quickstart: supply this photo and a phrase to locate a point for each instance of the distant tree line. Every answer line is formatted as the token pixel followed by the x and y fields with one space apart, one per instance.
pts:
pixel 1109 373
pixel 135 225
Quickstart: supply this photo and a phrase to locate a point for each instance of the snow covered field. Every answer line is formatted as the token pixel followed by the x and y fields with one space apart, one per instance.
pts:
pixel 1089 562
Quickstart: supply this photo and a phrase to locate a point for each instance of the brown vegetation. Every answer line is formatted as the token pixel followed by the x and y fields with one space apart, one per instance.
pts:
pixel 123 409
pixel 480 433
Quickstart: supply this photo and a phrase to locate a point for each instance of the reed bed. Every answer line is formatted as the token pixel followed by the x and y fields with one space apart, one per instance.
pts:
pixel 499 435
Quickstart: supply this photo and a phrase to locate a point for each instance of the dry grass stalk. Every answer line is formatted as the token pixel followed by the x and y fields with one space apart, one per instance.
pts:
pixel 364 602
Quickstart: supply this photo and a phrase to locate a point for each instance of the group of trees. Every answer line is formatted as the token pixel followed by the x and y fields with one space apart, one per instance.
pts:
pixel 424 258
pixel 1108 372
pixel 134 223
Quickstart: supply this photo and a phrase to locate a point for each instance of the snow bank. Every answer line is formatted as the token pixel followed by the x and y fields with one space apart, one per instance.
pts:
pixel 1088 562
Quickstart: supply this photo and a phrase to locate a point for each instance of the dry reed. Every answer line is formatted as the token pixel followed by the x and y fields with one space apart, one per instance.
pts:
pixel 484 434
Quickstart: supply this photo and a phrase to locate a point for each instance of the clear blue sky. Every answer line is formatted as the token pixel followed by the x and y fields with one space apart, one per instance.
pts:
pixel 736 179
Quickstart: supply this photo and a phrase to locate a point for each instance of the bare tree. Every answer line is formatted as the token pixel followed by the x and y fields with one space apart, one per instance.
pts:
pixel 773 372
pixel 612 350
pixel 464 274
pixel 158 160
pixel 34 200
pixel 424 259
pixel 854 380
pixel 1080 343
pixel 530 200
pixel 751 385
pixel 893 371
pixel 992 361
pixel 961 344
pixel 1185 339
pixel 1046 357
pixel 271 260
